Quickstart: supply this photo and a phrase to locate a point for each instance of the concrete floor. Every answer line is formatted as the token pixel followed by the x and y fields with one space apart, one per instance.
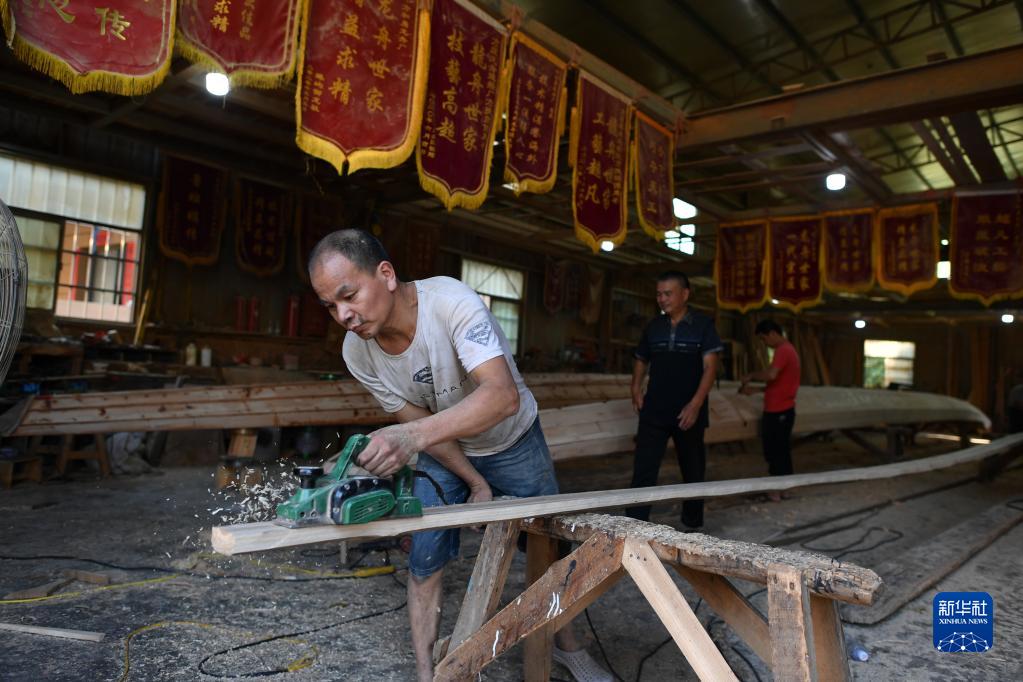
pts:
pixel 175 612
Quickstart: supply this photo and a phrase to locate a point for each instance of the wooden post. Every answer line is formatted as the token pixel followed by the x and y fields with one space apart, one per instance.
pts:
pixel 829 641
pixel 657 586
pixel 541 552
pixel 485 585
pixel 733 608
pixel 793 655
pixel 568 587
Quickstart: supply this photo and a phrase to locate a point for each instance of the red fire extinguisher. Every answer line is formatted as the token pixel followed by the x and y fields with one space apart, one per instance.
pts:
pixel 254 314
pixel 241 314
pixel 291 328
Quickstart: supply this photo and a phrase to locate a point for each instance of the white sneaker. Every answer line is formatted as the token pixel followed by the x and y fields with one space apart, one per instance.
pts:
pixel 582 666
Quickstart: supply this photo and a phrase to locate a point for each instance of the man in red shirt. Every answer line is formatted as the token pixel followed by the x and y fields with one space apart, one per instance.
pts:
pixel 782 379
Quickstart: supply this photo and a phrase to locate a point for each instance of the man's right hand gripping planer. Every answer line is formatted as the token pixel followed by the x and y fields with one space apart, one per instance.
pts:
pixel 339 499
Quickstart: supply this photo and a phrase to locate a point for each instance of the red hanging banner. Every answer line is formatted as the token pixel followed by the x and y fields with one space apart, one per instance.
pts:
pixel 536 116
pixel 124 50
pixel 193 207
pixel 463 104
pixel 739 265
pixel 652 156
pixel 319 216
pixel 986 247
pixel 254 44
pixel 907 248
pixel 599 154
pixel 794 261
pixel 361 81
pixel 848 250
pixel 263 212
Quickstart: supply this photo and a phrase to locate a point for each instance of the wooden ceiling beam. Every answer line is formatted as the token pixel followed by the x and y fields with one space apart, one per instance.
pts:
pixel 984 80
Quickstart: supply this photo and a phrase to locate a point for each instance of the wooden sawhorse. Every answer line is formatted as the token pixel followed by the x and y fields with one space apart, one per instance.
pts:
pixel 801 639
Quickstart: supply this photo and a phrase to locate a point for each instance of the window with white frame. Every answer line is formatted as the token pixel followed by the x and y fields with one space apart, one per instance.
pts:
pixel 888 362
pixel 502 291
pixel 82 236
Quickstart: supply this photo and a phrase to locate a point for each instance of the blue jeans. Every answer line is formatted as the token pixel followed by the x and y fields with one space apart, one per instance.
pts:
pixel 523 470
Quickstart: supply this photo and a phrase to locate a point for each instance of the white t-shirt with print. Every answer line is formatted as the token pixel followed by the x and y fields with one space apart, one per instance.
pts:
pixel 455 334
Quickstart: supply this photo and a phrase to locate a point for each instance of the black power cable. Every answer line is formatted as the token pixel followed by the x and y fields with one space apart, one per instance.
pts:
pixel 287 635
pixel 162 569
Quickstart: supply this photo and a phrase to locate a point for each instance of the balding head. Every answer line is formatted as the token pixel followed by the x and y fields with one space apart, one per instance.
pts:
pixel 360 247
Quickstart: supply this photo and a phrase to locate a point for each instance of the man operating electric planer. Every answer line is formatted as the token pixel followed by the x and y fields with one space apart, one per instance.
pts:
pixel 433 355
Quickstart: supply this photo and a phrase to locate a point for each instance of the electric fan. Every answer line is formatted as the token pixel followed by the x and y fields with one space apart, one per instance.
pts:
pixel 13 288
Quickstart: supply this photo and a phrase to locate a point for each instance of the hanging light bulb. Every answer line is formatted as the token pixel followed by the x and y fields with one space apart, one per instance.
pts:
pixel 217 84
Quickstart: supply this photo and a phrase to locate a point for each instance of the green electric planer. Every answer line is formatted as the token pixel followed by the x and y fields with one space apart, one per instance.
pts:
pixel 336 498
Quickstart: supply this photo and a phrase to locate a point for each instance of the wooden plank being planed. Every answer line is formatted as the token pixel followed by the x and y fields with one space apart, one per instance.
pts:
pixel 263 536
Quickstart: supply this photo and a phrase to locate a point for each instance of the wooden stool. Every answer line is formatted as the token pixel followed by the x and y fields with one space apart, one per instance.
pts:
pixel 26 468
pixel 99 454
pixel 237 472
pixel 235 468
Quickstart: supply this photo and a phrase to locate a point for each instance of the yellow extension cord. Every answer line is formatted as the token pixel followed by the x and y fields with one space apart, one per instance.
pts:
pixel 296 665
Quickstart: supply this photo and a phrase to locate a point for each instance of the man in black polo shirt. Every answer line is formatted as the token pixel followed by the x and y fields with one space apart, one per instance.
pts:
pixel 680 349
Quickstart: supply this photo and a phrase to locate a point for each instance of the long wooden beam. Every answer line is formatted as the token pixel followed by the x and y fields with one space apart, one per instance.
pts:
pixel 254 537
pixel 965 84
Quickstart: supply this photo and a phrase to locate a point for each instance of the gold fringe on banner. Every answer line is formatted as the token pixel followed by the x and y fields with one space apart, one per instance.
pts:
pixel 732 305
pixel 838 286
pixel 930 209
pixel 651 230
pixel 436 186
pixel 460 198
pixel 581 232
pixel 367 158
pixel 75 81
pixel 246 78
pixel 985 300
pixel 529 184
pixel 769 264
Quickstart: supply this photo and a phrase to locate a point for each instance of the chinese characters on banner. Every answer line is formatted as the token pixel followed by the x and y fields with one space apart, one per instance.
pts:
pixel 253 44
pixel 193 206
pixel 907 248
pixel 653 157
pixel 599 155
pixel 360 87
pixel 986 247
pixel 848 250
pixel 739 264
pixel 263 215
pixel 319 217
pixel 536 116
pixel 794 270
pixel 462 107
pixel 120 48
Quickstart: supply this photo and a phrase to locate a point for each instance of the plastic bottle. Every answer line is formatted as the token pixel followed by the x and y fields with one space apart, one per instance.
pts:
pixel 858 653
pixel 190 353
pixel 206 356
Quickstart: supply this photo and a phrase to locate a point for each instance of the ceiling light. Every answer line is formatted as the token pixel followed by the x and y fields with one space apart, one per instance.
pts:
pixel 683 210
pixel 774 301
pixel 944 269
pixel 607 245
pixel 944 242
pixel 1008 318
pixel 860 324
pixel 835 181
pixel 217 84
